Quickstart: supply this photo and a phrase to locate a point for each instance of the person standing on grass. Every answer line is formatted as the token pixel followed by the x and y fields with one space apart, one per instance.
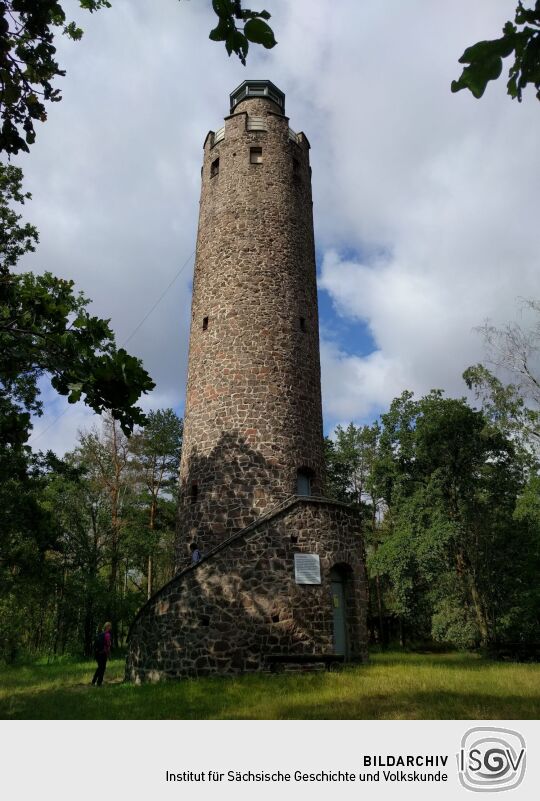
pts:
pixel 102 650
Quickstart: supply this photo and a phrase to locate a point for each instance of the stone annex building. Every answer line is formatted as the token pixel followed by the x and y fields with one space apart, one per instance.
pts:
pixel 281 581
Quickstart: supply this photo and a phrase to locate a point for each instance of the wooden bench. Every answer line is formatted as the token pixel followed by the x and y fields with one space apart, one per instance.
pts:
pixel 276 662
pixel 515 651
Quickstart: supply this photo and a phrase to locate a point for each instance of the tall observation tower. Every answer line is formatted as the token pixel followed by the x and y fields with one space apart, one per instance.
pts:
pixel 282 582
pixel 253 421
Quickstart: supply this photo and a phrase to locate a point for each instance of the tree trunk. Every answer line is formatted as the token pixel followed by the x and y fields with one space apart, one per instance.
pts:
pixel 89 628
pixel 463 569
pixel 401 632
pixel 115 533
pixel 382 637
pixel 149 577
pixel 151 527
pixel 478 606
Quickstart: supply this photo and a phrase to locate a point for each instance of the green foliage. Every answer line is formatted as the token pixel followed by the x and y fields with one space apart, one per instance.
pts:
pixel 157 448
pixel 484 60
pixel 75 538
pixel 29 67
pixel 28 64
pixel 451 622
pixel 453 483
pixel 352 477
pixel 45 328
pixel 528 503
pixel 237 38
pixel 350 459
pixel 156 453
pixel 15 239
pixel 449 496
pixel 28 546
pixel 258 31
pixel 61 552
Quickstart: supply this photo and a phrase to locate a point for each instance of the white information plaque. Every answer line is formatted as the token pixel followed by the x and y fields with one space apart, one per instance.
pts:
pixel 307 568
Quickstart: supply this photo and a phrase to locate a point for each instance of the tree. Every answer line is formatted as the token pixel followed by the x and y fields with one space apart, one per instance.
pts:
pixel 80 509
pixel 484 60
pixel 515 407
pixel 350 463
pixel 29 547
pixel 107 460
pixel 44 325
pixel 45 328
pixel 352 477
pixel 255 28
pixel 16 239
pixel 76 535
pixel 156 449
pixel 127 487
pixel 455 552
pixel 28 65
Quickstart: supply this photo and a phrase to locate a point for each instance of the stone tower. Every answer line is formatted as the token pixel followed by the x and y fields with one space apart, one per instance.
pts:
pixel 281 583
pixel 253 420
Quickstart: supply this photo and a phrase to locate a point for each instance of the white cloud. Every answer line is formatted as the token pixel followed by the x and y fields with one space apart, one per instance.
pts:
pixel 436 193
pixel 356 388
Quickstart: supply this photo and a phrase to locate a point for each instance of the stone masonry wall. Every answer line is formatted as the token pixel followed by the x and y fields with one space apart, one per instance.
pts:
pixel 241 604
pixel 253 406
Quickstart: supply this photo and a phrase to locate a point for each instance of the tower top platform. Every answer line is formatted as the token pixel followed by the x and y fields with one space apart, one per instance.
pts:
pixel 262 89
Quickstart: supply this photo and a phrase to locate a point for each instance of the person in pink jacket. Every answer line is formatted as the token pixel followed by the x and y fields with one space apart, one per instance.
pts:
pixel 102 650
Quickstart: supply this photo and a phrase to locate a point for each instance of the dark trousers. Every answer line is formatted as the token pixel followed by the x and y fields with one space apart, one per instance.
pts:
pixel 100 670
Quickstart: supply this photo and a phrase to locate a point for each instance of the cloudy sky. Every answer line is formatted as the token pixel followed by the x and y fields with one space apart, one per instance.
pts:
pixel 426 203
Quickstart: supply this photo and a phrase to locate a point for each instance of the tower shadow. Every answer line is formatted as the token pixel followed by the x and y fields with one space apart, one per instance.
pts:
pixel 226 490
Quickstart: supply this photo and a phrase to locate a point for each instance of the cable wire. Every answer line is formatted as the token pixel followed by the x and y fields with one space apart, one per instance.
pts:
pixel 33 439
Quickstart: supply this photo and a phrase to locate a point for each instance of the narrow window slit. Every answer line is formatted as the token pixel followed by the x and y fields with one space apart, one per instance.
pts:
pixel 205 324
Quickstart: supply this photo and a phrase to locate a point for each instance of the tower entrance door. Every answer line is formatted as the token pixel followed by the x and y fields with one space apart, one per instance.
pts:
pixel 340 612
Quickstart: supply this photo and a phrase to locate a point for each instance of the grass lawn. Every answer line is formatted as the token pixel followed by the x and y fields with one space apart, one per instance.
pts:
pixel 391 686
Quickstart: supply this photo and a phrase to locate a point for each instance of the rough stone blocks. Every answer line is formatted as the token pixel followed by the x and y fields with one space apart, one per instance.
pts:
pixel 240 606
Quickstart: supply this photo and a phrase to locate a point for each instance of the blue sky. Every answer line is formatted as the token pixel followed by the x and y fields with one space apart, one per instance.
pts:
pixel 351 334
pixel 425 203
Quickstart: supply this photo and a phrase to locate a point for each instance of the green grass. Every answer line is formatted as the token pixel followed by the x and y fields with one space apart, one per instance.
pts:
pixel 391 686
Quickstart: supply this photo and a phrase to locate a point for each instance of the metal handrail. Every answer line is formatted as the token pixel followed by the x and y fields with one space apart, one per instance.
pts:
pixel 281 506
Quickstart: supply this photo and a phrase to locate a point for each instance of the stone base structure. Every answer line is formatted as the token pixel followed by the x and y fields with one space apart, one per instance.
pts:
pixel 240 609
